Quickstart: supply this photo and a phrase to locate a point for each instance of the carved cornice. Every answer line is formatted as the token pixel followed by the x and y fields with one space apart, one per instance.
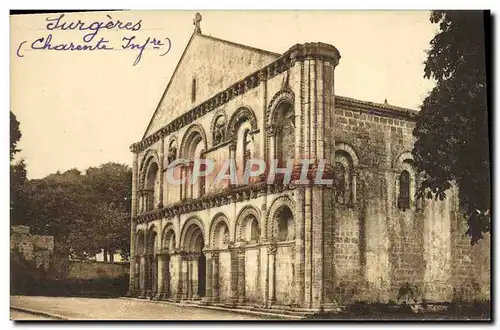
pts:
pixel 378 109
pixel 299 52
pixel 228 196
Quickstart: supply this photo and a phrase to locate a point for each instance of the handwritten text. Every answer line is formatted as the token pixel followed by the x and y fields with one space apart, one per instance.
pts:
pixel 91 41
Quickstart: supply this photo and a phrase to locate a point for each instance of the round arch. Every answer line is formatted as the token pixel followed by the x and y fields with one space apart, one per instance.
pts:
pixel 218 220
pixel 187 231
pixel 271 213
pixel 218 127
pixel 152 236
pixel 189 136
pixel 283 96
pixel 151 156
pixel 169 237
pixel 241 115
pixel 241 219
pixel 405 156
pixel 342 146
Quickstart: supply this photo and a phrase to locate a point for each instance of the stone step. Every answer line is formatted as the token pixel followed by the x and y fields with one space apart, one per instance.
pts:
pixel 245 309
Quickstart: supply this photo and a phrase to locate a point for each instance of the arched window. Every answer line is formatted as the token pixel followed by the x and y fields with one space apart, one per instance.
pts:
pixel 151 192
pixel 404 190
pixel 192 148
pixel 254 230
pixel 219 130
pixel 286 230
pixel 285 124
pixel 247 147
pixel 340 183
pixel 193 90
pixel 244 148
pixel 344 182
pixel 172 151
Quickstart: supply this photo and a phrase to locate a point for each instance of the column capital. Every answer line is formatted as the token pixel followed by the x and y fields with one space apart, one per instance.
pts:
pixel 271 249
pixel 174 251
pixel 241 251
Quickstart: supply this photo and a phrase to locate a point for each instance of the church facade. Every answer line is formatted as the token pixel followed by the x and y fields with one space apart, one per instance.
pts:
pixel 316 247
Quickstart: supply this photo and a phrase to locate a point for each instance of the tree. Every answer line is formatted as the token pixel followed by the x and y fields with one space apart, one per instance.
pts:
pixel 452 144
pixel 15 135
pixel 85 213
pixel 112 189
pixel 17 175
pixel 18 186
pixel 59 205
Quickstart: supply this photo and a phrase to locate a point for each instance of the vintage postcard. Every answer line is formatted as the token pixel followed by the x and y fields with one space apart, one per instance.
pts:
pixel 250 165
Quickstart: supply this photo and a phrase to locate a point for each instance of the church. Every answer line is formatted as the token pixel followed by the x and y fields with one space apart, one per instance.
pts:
pixel 305 247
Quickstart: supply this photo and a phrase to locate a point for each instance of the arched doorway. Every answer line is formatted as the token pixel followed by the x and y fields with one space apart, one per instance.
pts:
pixel 194 263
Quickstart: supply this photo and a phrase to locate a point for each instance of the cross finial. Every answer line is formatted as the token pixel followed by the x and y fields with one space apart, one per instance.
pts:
pixel 196 22
pixel 385 101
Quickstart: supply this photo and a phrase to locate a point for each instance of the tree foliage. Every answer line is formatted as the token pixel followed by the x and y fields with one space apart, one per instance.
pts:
pixel 84 212
pixel 15 135
pixel 17 174
pixel 452 144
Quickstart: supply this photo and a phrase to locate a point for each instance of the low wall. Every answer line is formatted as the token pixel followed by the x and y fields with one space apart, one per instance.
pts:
pixel 87 270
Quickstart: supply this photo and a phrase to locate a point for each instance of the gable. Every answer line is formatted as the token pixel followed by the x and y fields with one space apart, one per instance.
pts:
pixel 215 64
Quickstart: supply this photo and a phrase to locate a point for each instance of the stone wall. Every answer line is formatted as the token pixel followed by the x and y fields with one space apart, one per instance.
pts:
pixel 424 246
pixel 368 246
pixel 88 270
pixel 228 63
pixel 37 248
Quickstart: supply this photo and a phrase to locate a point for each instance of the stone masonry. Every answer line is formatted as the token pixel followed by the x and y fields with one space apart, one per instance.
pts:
pixel 311 247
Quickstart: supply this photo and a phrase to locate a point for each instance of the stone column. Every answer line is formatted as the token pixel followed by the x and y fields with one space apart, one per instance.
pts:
pixel 160 282
pixel 177 260
pixel 299 246
pixel 161 161
pixel 263 123
pixel 147 275
pixel 209 277
pixel 142 276
pixel 271 264
pixel 272 132
pixel 182 186
pixel 353 189
pixel 195 294
pixel 132 289
pixel 232 155
pixel 215 277
pixel 317 109
pixel 234 275
pixel 137 270
pixel 185 276
pixel 241 275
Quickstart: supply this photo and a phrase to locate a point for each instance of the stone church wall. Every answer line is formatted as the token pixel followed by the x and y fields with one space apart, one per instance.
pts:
pixel 425 248
pixel 367 247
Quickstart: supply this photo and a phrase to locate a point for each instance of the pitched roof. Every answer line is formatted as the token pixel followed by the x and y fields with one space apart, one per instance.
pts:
pixel 226 42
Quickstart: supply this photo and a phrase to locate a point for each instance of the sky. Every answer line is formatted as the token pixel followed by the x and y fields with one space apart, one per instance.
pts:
pixel 84 108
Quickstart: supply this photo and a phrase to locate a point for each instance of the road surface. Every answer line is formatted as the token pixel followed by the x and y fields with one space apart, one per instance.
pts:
pixel 119 309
